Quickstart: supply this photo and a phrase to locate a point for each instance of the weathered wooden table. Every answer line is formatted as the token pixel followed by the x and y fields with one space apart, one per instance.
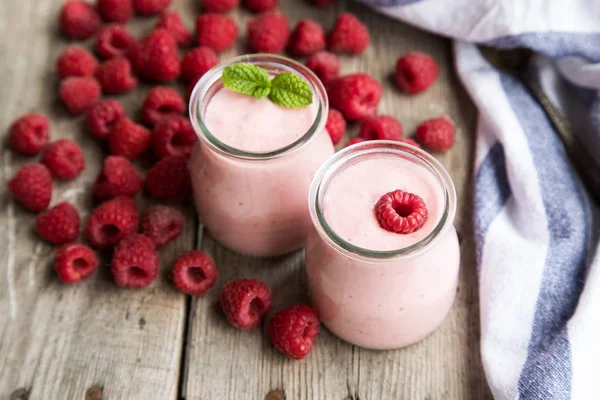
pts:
pixel 93 340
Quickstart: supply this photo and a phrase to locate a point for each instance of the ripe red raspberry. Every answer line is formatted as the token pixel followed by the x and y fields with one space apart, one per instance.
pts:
pixel 111 221
pixel 160 103
pixel 437 134
pixel 294 329
pixel 260 5
pixel 169 179
pixel 64 158
pixel 118 178
pixel 245 302
pixel 119 11
pixel 219 6
pixel 410 141
pixel 173 136
pixel 29 133
pixel 197 62
pixel 79 93
pixel 74 262
pixel 356 96
pixel 128 139
pixel 79 20
pixel 349 35
pixel 325 65
pixel 323 3
pixel 58 225
pixel 102 116
pixel 216 31
pixel 115 76
pixel 171 21
pixel 336 125
pixel 114 41
pixel 76 61
pixel 308 38
pixel 269 32
pixel 32 186
pixel 155 57
pixel 161 224
pixel 149 7
pixel 381 127
pixel 354 141
pixel 135 262
pixel 415 72
pixel 401 212
pixel 194 272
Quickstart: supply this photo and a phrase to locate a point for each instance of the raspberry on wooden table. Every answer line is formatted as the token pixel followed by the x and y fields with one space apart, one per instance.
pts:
pixel 102 116
pixel 79 93
pixel 161 224
pixel 29 133
pixel 268 32
pixel 149 7
pixel 115 76
pixel 216 31
pixel 76 61
pixel 171 21
pixel 58 225
pixel 416 72
pixel 194 273
pixel 219 6
pixel 260 5
pixel 325 65
pixel 197 62
pixel 381 127
pixel 308 38
pixel 119 11
pixel 336 125
pixel 354 141
pixel 118 178
pixel 245 302
pixel 64 158
pixel 162 102
pixel 155 57
pixel 113 41
pixel 74 262
pixel 32 186
pixel 349 35
pixel 134 263
pixel 401 212
pixel 356 96
pixel 111 221
pixel 128 139
pixel 169 179
pixel 173 136
pixel 437 134
pixel 79 20
pixel 294 329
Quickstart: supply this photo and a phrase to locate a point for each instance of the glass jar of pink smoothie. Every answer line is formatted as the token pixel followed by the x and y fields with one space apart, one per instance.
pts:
pixel 252 167
pixel 372 287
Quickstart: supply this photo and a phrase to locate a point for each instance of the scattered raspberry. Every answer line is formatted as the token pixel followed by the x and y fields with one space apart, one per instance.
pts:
pixel 401 212
pixel 58 225
pixel 115 76
pixel 415 72
pixel 161 224
pixel 219 6
pixel 269 32
pixel 308 38
pixel 76 61
pixel 336 125
pixel 325 65
pixel 114 41
pixel 216 31
pixel 118 178
pixel 79 20
pixel 260 5
pixel 356 96
pixel 149 7
pixel 135 262
pixel 197 62
pixel 111 221
pixel 32 186
pixel 349 35
pixel 74 262
pixel 169 179
pixel 437 134
pixel 173 136
pixel 29 133
pixel 128 139
pixel 171 21
pixel 354 141
pixel 410 141
pixel 194 272
pixel 155 57
pixel 160 103
pixel 102 116
pixel 245 302
pixel 323 3
pixel 119 11
pixel 294 329
pixel 64 158
pixel 381 127
pixel 79 93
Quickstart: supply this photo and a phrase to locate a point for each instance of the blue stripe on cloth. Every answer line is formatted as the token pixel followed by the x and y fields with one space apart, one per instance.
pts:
pixel 547 371
pixel 390 3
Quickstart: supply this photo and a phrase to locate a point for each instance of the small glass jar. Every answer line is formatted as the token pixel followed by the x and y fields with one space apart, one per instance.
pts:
pixel 252 202
pixel 382 299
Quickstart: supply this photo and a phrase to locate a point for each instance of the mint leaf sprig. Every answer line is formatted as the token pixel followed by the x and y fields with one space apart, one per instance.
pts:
pixel 285 89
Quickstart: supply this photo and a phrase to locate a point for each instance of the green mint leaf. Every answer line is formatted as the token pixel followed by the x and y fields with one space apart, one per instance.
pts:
pixel 247 79
pixel 291 91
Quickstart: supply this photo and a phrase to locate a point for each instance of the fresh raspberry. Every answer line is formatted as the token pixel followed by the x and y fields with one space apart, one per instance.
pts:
pixel 437 134
pixel 74 262
pixel 171 21
pixel 149 7
pixel 119 11
pixel 76 61
pixel 197 62
pixel 128 139
pixel 118 178
pixel 161 224
pixel 32 186
pixel 216 31
pixel 102 116
pixel 323 3
pixel 79 20
pixel 194 272
pixel 79 93
pixel 115 76
pixel 219 6
pixel 269 32
pixel 111 221
pixel 410 141
pixel 169 179
pixel 58 225
pixel 336 125
pixel 356 96
pixel 325 65
pixel 308 38
pixel 173 136
pixel 381 127
pixel 401 212
pixel 294 329
pixel 64 158
pixel 114 41
pixel 260 5
pixel 29 133
pixel 162 102
pixel 349 35
pixel 135 262
pixel 415 72
pixel 245 302
pixel 354 141
pixel 155 57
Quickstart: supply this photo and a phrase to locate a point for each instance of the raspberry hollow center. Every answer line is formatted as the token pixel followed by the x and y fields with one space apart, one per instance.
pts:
pixel 80 264
pixel 256 307
pixel 196 274
pixel 401 212
pixel 110 230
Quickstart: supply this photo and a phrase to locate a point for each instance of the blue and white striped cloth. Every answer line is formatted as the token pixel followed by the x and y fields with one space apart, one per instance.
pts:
pixel 536 227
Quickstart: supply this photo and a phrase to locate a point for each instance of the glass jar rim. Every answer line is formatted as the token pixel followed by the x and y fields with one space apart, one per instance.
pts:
pixel 210 78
